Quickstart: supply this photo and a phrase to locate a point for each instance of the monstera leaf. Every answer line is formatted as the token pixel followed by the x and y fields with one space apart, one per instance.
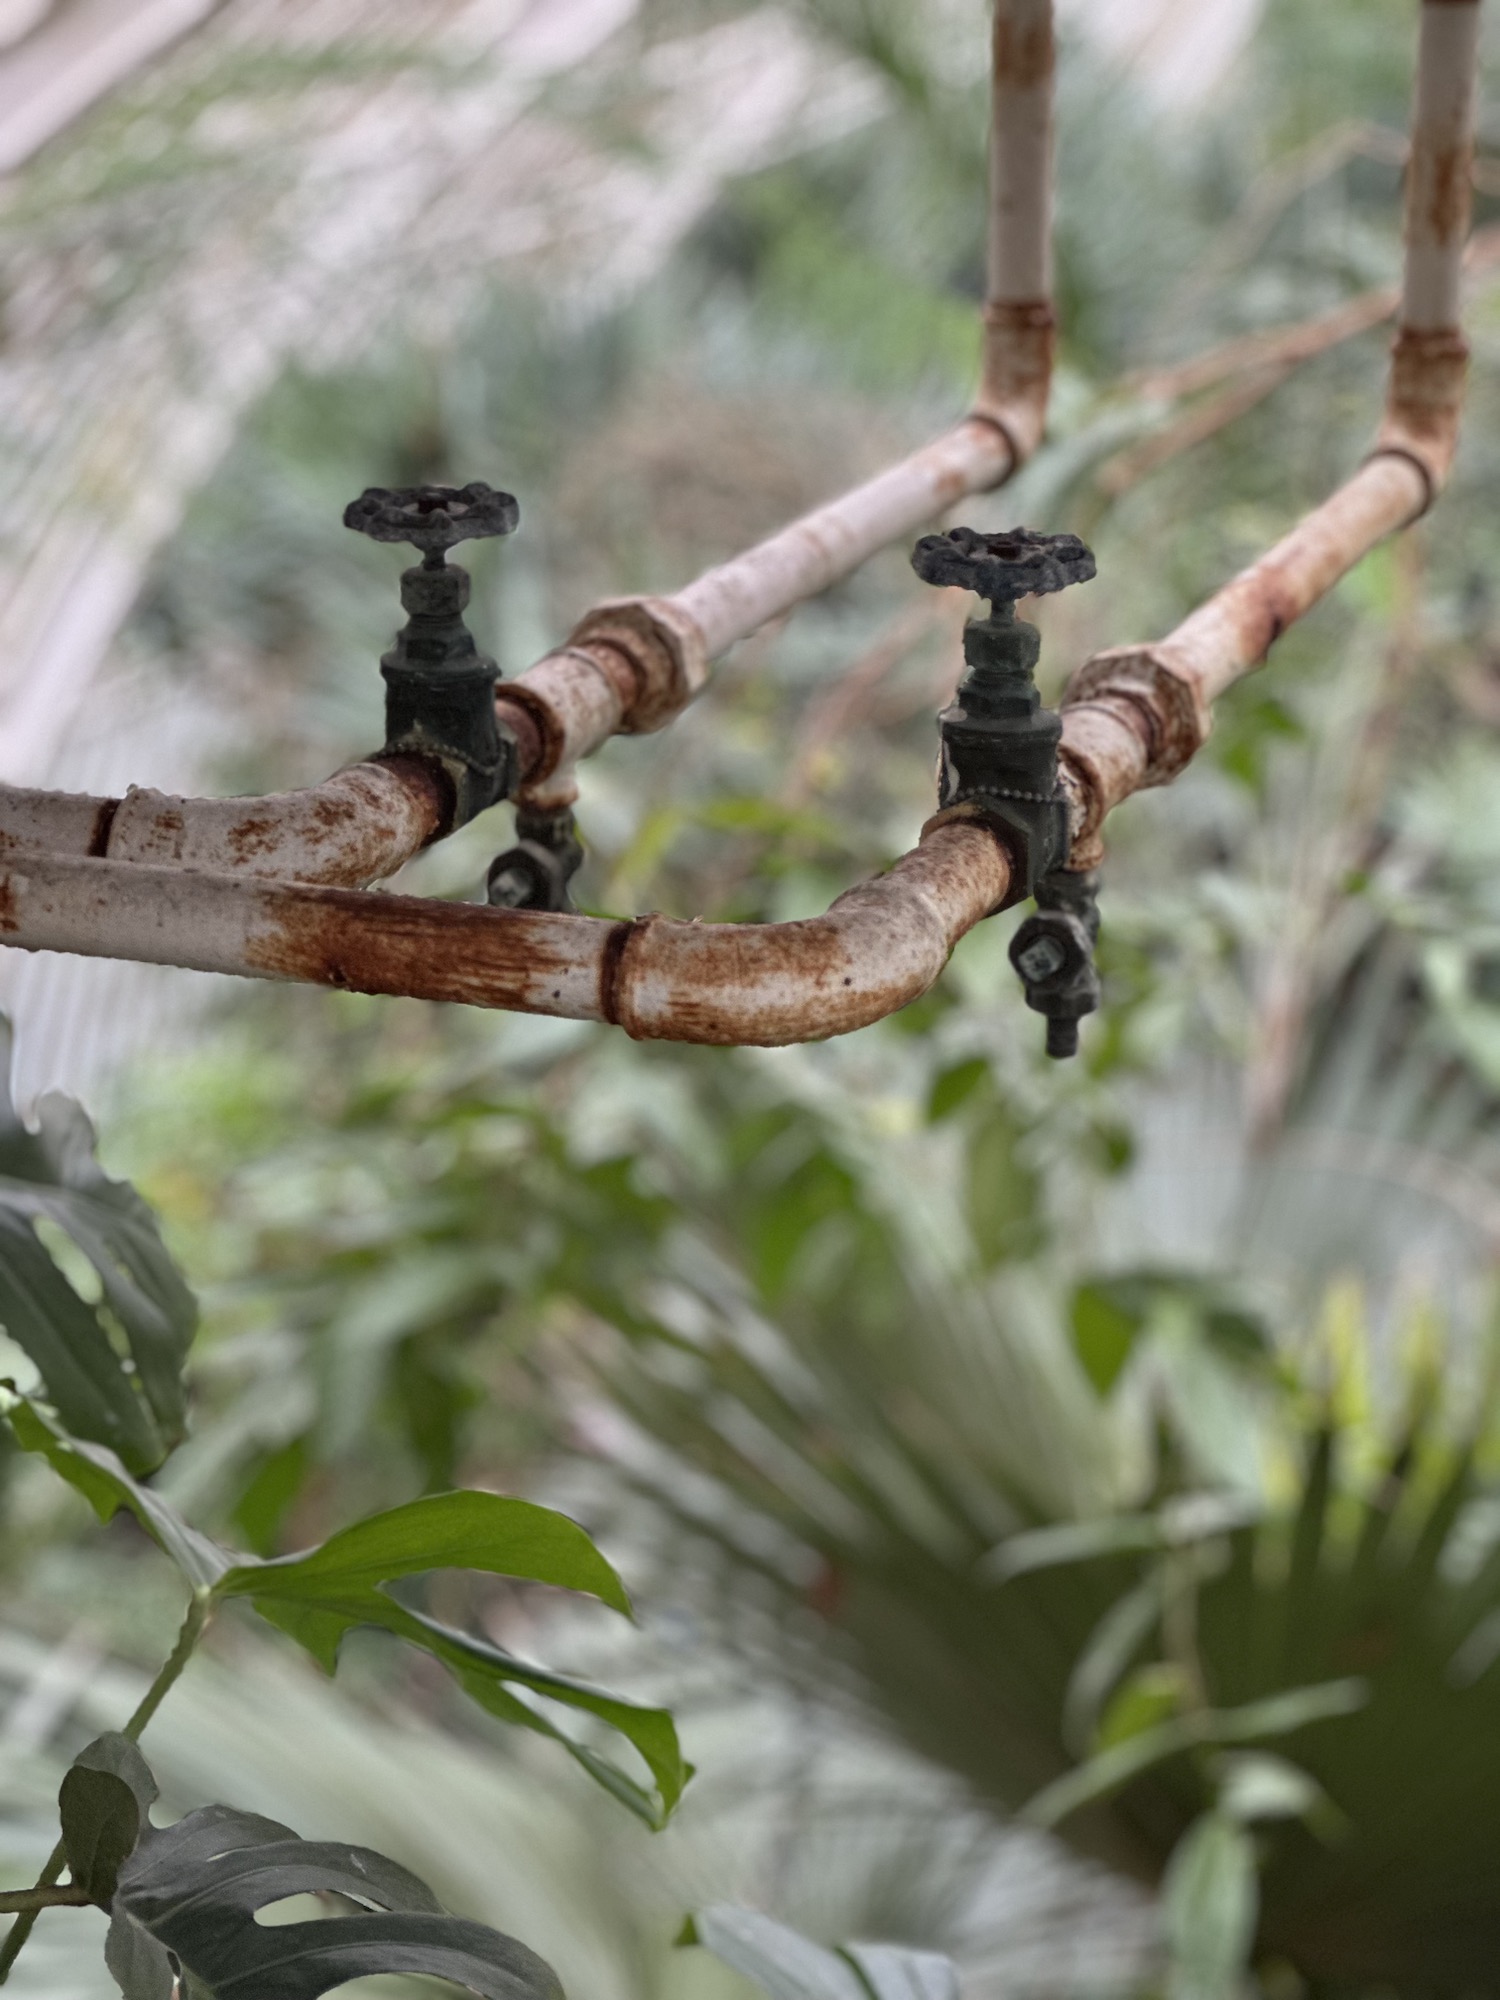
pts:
pixel 183 1902
pixel 112 1365
pixel 320 1594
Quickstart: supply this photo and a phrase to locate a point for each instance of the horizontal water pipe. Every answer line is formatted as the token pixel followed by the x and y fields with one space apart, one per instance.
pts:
pixel 360 825
pixel 880 946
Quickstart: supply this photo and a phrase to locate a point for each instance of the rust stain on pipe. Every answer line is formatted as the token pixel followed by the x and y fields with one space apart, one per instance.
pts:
pixel 611 961
pixel 361 824
pixel 104 820
pixel 1449 192
pixel 881 944
pixel 1025 52
pixel 1020 340
pixel 1424 401
pixel 411 945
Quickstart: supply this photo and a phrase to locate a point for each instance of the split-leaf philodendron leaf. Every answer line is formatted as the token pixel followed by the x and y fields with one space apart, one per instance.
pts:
pixel 183 1903
pixel 319 1595
pixel 51 1177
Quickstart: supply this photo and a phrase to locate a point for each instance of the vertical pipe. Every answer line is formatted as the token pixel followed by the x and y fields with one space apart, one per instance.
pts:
pixel 1020 233
pixel 1439 183
pixel 1429 358
pixel 1019 326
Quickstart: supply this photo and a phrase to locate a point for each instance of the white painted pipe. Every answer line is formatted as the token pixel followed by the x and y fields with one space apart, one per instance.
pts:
pixel 737 597
pixel 359 826
pixel 1020 232
pixel 880 946
pixel 1439 184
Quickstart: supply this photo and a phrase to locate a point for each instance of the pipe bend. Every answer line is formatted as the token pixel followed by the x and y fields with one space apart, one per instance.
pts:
pixel 880 946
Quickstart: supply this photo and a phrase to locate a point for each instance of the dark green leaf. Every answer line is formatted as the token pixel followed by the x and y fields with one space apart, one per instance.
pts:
pixel 135 1405
pixel 485 1531
pixel 103 1804
pixel 103 1481
pixel 189 1895
pixel 318 1596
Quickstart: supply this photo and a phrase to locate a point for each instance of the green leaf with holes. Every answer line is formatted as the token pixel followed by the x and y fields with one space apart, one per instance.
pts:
pixel 183 1902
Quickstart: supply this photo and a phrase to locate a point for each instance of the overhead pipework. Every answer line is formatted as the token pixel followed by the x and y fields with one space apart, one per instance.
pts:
pixel 277 887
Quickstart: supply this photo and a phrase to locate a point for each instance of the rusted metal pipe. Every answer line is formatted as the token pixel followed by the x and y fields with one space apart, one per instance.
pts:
pixel 1019 323
pixel 880 946
pixel 632 664
pixel 1133 716
pixel 738 597
pixel 357 827
pixel 1439 187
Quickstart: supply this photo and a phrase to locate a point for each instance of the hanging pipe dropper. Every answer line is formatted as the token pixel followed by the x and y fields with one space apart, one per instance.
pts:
pixel 999 758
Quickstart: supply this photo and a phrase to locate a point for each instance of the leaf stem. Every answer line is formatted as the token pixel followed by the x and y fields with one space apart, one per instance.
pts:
pixel 194 1625
pixel 45 1895
pixel 32 1900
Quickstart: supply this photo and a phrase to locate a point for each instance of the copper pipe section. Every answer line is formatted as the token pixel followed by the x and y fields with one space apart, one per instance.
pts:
pixel 358 827
pixel 882 944
pixel 1133 716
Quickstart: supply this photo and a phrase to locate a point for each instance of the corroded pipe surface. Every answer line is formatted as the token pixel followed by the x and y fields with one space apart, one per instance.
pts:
pixel 1024 57
pixel 738 597
pixel 879 947
pixel 1237 627
pixel 359 826
pixel 1133 716
pixel 1439 180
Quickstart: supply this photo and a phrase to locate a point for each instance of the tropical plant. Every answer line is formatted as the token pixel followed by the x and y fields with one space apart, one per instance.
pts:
pixel 181 1908
pixel 1032 1405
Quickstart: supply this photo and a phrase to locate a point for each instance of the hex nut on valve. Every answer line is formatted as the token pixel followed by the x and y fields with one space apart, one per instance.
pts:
pixel 535 873
pixel 1053 951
